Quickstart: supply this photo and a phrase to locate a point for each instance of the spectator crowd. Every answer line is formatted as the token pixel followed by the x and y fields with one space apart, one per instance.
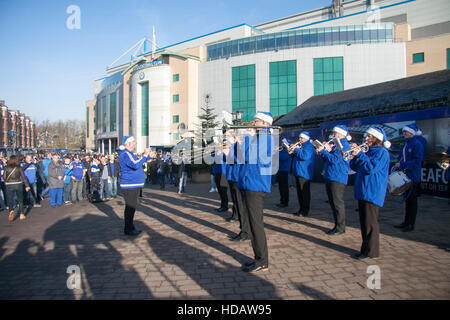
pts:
pixel 26 180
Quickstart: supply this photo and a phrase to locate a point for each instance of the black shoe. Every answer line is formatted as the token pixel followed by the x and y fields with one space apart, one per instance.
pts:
pixel 400 226
pixel 248 264
pixel 281 205
pixel 331 231
pixel 408 229
pixel 222 209
pixel 336 233
pixel 240 238
pixel 297 214
pixel 231 219
pixel 255 268
pixel 303 215
pixel 360 256
pixel 132 232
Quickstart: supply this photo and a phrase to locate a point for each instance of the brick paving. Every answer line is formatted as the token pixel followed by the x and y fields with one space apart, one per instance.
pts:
pixel 184 251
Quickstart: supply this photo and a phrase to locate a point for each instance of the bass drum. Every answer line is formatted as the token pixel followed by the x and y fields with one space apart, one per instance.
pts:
pixel 398 183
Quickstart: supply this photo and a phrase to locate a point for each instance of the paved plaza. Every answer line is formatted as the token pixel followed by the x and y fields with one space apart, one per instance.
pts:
pixel 184 251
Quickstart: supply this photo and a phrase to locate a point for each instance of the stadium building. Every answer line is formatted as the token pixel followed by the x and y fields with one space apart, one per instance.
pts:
pixel 274 66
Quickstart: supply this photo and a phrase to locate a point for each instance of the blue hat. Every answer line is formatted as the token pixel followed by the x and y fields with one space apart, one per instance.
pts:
pixel 127 139
pixel 411 128
pixel 304 135
pixel 379 133
pixel 342 129
pixel 264 116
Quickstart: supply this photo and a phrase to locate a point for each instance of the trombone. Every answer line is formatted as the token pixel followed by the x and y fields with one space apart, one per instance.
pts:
pixel 348 155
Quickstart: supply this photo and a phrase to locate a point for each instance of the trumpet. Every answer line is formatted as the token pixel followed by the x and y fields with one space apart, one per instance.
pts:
pixel 348 155
pixel 326 145
pixel 292 147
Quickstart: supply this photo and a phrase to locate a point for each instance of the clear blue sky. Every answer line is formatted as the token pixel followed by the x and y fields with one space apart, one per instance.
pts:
pixel 47 70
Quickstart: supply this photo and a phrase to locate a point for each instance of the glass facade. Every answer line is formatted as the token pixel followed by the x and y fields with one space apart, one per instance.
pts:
pixel 243 91
pixel 283 87
pixel 104 114
pixel 144 112
pixel 354 34
pixel 112 112
pixel 418 57
pixel 328 75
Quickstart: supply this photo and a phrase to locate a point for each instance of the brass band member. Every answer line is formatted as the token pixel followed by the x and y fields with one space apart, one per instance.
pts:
pixel 336 176
pixel 372 172
pixel 255 181
pixel 284 167
pixel 303 169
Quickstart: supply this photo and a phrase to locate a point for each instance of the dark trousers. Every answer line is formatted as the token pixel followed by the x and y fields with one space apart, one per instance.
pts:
pixel 411 205
pixel 335 192
pixel 254 203
pixel 303 194
pixel 17 190
pixel 240 209
pixel 370 229
pixel 283 186
pixel 131 198
pixel 223 193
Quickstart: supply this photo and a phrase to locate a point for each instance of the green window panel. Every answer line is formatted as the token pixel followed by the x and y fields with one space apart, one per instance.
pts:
pixel 87 122
pixel 243 96
pixel 328 87
pixel 292 90
pixel 243 83
pixel 448 59
pixel 251 71
pixel 318 88
pixel 244 90
pixel 176 119
pixel 283 87
pixel 418 57
pixel 176 98
pixel 144 111
pixel 292 68
pixel 176 77
pixel 235 74
pixel 176 136
pixel 112 112
pixel 328 75
pixel 251 93
pixel 235 94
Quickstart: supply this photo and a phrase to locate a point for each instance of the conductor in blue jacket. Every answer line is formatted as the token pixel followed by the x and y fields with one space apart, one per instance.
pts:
pixel 410 161
pixel 372 172
pixel 132 179
pixel 336 176
pixel 303 169
pixel 255 177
